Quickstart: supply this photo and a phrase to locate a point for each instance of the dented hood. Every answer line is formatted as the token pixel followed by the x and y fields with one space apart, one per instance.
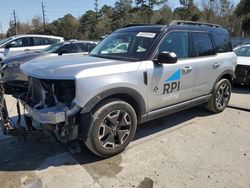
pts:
pixel 63 67
pixel 243 60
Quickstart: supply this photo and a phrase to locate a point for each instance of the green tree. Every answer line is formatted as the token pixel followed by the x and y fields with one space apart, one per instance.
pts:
pixel 37 24
pixel 104 25
pixel 243 11
pixel 145 9
pixel 88 23
pixel 188 11
pixel 67 27
pixel 162 16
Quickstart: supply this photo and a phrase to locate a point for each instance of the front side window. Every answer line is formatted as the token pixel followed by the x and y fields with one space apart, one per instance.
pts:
pixel 243 51
pixel 71 48
pixel 21 42
pixel 53 48
pixel 5 40
pixel 130 45
pixel 203 45
pixel 176 42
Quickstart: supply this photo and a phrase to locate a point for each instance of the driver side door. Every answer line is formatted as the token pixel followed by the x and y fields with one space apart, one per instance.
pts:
pixel 170 84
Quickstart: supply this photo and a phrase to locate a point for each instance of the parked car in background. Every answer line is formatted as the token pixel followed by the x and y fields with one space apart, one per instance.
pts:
pixel 237 41
pixel 243 65
pixel 16 81
pixel 21 43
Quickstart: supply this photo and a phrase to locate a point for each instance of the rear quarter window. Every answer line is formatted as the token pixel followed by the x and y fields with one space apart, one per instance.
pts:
pixel 222 41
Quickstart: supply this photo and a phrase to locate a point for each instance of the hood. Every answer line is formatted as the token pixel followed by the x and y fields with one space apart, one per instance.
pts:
pixel 64 67
pixel 22 58
pixel 243 60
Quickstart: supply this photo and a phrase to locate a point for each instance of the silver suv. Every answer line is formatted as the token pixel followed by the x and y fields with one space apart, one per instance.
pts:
pixel 137 74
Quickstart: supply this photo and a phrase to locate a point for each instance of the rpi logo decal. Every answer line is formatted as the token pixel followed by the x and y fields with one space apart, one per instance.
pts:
pixel 172 84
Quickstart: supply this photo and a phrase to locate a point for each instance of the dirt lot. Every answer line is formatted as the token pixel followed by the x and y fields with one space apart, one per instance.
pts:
pixel 193 148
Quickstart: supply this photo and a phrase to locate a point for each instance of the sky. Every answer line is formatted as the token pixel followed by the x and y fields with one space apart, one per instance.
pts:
pixel 27 9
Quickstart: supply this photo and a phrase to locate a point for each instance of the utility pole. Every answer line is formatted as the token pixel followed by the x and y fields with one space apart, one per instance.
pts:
pixel 15 22
pixel 96 5
pixel 43 11
pixel 1 29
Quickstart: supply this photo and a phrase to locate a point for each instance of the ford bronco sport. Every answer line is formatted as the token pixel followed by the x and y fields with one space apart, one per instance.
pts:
pixel 136 74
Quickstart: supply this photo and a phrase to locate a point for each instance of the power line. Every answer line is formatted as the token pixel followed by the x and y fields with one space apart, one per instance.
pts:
pixel 43 11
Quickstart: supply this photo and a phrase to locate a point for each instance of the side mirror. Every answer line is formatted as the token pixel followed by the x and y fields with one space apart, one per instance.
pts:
pixel 8 46
pixel 62 52
pixel 166 57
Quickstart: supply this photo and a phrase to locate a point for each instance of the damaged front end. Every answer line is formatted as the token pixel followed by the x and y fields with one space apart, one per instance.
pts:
pixel 50 106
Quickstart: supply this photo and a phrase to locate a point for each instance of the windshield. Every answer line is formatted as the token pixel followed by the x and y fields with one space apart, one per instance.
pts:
pixel 128 45
pixel 53 48
pixel 5 40
pixel 243 51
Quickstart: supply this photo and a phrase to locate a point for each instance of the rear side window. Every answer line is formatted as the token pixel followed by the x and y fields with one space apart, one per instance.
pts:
pixel 39 41
pixel 222 41
pixel 203 45
pixel 82 47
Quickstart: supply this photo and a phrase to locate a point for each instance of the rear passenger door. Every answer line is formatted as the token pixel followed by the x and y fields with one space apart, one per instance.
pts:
pixel 42 42
pixel 205 57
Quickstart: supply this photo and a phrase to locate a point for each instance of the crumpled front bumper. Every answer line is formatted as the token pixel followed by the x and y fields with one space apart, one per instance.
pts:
pixel 52 115
pixel 242 75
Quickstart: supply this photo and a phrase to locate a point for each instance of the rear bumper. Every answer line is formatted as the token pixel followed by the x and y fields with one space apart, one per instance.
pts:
pixel 242 75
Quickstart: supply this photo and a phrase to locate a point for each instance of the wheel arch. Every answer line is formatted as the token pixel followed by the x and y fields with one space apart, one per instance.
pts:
pixel 128 95
pixel 228 74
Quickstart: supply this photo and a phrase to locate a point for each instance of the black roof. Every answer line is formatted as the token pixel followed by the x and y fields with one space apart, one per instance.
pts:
pixel 192 26
pixel 144 28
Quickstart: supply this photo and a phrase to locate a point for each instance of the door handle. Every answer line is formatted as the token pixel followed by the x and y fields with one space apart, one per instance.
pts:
pixel 187 69
pixel 216 65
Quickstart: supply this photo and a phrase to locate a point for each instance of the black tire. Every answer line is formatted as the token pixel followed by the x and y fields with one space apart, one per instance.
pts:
pixel 109 128
pixel 221 96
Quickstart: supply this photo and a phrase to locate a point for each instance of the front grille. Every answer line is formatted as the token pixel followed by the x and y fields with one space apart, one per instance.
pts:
pixel 49 92
pixel 242 74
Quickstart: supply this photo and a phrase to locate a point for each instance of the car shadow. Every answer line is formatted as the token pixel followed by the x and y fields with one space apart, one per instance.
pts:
pixel 18 155
pixel 241 89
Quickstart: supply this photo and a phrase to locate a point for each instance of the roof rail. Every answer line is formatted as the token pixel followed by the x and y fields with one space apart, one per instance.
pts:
pixel 183 22
pixel 138 24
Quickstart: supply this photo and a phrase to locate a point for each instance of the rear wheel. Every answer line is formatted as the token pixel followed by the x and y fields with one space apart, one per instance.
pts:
pixel 111 128
pixel 221 96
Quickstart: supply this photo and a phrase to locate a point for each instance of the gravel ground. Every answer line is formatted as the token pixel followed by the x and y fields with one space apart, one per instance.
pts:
pixel 193 148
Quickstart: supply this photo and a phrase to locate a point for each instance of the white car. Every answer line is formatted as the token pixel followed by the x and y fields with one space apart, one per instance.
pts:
pixel 21 43
pixel 243 65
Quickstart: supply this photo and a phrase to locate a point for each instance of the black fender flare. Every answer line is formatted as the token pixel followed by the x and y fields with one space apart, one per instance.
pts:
pixel 135 95
pixel 227 72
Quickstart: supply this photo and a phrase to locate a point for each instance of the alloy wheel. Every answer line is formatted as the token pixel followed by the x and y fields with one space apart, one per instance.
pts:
pixel 115 129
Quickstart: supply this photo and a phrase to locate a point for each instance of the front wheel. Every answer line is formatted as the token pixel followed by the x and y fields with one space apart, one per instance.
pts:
pixel 221 96
pixel 111 127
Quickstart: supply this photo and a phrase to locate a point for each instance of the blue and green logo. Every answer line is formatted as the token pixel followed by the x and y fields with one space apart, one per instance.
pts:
pixel 172 83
